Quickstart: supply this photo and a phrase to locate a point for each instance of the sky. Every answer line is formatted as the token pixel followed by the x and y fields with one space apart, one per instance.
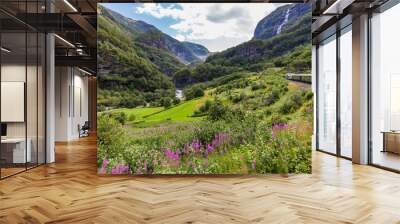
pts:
pixel 217 26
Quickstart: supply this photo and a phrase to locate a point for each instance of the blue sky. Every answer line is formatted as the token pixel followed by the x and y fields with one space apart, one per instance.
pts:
pixel 217 26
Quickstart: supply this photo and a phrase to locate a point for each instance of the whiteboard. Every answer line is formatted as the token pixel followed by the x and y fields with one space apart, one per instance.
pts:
pixel 12 101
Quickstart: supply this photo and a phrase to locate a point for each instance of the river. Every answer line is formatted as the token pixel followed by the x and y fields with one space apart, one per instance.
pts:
pixel 179 94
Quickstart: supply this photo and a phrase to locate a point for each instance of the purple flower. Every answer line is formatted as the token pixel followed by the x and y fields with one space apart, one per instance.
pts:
pixel 119 169
pixel 196 145
pixel 105 163
pixel 220 139
pixel 209 149
pixel 104 166
pixel 172 155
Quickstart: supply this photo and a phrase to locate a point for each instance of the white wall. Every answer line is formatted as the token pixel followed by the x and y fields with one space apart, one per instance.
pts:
pixel 71 102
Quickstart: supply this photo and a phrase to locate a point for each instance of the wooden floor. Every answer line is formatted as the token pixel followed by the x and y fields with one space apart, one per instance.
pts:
pixel 70 191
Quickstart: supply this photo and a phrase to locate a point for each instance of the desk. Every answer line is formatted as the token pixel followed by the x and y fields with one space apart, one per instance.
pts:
pixel 391 141
pixel 13 150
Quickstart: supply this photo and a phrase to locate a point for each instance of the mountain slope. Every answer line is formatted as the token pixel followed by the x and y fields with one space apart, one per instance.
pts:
pixel 290 48
pixel 125 78
pixel 279 20
pixel 151 36
pixel 165 61
pixel 295 33
pixel 199 50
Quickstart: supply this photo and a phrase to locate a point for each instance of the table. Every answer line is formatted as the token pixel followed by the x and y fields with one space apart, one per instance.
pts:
pixel 13 150
pixel 391 141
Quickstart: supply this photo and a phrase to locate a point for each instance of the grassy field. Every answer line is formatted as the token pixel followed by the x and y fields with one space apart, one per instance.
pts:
pixel 140 113
pixel 148 116
pixel 253 127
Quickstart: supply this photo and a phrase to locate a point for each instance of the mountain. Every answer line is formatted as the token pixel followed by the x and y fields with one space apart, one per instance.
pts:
pixel 149 35
pixel 281 39
pixel 279 20
pixel 199 50
pixel 127 76
pixel 268 43
pixel 138 64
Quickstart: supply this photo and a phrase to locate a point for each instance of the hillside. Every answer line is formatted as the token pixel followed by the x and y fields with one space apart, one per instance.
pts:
pixel 187 63
pixel 126 78
pixel 279 20
pixel 149 35
pixel 268 48
pixel 238 113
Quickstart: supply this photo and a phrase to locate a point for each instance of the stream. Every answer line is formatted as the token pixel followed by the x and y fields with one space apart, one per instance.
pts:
pixel 179 94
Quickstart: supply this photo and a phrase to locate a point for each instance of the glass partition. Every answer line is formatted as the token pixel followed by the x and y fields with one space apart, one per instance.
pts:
pixel 327 95
pixel 13 94
pixel 346 92
pixel 385 89
pixel 22 77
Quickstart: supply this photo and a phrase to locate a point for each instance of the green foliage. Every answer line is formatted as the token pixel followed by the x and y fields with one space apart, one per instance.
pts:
pixel 126 77
pixel 272 96
pixel 112 139
pixel 292 103
pixel 166 102
pixel 118 116
pixel 194 91
pixel 203 109
pixel 176 101
pixel 239 94
pixel 217 111
pixel 251 53
pixel 282 153
pixel 131 117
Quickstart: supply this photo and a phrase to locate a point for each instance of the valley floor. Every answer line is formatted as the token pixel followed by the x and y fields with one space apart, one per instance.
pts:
pixel 70 191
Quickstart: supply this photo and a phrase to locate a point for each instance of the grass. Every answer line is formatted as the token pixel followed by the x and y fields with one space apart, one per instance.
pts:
pixel 149 116
pixel 182 112
pixel 140 113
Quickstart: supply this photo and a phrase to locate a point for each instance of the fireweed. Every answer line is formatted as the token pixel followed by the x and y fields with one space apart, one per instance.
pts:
pixel 241 146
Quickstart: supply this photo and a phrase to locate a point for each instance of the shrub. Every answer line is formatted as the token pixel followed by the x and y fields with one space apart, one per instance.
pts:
pixel 276 119
pixel 217 111
pixel 112 138
pixel 118 116
pixel 292 103
pixel 308 95
pixel 131 117
pixel 166 102
pixel 194 92
pixel 257 86
pixel 203 109
pixel 271 97
pixel 176 101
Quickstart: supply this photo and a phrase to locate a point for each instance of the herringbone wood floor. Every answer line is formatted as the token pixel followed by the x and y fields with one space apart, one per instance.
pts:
pixel 70 191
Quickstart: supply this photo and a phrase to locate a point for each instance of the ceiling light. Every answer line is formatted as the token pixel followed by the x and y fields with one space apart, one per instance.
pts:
pixel 70 5
pixel 86 72
pixel 64 40
pixel 5 50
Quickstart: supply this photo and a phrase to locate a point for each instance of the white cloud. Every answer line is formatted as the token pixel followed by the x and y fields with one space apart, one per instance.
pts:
pixel 180 37
pixel 216 25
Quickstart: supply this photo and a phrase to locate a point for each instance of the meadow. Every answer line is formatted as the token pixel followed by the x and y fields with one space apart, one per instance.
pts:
pixel 251 124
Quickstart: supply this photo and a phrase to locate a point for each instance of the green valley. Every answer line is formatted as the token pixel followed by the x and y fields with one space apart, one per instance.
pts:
pixel 237 114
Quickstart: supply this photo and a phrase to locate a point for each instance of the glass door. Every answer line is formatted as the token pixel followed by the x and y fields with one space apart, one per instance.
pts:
pixel 327 95
pixel 346 95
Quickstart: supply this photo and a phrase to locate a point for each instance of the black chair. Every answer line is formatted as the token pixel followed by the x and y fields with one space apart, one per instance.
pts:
pixel 84 130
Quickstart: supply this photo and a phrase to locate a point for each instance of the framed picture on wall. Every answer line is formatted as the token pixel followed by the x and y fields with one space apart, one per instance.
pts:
pixel 188 88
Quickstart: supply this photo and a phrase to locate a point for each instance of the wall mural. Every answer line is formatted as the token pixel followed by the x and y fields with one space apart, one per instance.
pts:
pixel 204 88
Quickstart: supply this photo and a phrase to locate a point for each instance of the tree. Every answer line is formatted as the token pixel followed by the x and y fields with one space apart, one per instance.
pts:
pixel 166 102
